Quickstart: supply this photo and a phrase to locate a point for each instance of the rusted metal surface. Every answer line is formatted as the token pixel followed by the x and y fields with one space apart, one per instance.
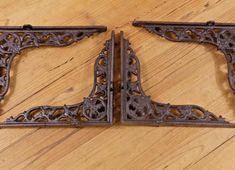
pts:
pixel 137 108
pixel 96 109
pixel 15 39
pixel 222 35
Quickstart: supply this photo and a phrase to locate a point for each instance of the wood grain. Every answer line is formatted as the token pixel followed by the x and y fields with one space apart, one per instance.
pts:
pixel 178 73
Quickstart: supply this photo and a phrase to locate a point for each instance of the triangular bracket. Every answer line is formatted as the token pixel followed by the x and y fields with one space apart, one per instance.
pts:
pixel 96 109
pixel 137 108
pixel 221 35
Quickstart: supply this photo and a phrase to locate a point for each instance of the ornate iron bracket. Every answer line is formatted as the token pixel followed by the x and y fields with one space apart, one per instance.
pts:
pixel 96 109
pixel 222 35
pixel 137 108
pixel 14 39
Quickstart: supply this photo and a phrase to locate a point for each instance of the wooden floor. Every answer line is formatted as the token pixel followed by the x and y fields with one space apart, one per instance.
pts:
pixel 177 73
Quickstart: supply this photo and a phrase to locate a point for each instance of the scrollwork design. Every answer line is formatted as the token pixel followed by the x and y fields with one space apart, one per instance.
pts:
pixel 136 107
pixel 96 109
pixel 15 39
pixel 47 115
pixel 220 35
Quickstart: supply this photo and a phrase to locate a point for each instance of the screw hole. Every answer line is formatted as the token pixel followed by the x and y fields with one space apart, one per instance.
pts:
pixel 27 27
pixel 210 23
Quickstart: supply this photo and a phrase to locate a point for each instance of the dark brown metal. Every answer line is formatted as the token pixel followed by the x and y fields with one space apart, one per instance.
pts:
pixel 222 35
pixel 14 39
pixel 137 108
pixel 96 109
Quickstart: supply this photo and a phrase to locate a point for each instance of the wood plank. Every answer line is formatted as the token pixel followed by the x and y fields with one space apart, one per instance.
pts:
pixel 179 73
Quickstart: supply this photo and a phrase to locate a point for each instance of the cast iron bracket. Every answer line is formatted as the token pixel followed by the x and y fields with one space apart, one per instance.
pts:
pixel 96 109
pixel 137 108
pixel 222 35
pixel 15 39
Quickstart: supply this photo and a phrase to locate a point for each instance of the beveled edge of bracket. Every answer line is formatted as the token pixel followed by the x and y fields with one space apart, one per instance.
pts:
pixel 29 27
pixel 208 23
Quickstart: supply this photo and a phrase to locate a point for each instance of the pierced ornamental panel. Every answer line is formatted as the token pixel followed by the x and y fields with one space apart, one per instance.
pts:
pixel 137 108
pixel 96 109
pixel 15 39
pixel 221 35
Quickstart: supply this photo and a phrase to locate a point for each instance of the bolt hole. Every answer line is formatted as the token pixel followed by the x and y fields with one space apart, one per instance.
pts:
pixel 27 27
pixel 210 23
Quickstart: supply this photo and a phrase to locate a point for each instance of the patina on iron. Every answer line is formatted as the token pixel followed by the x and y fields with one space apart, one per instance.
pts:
pixel 221 35
pixel 15 39
pixel 137 108
pixel 96 109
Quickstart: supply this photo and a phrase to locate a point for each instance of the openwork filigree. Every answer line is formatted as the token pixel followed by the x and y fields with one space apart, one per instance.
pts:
pixel 137 108
pixel 218 34
pixel 15 39
pixel 96 109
